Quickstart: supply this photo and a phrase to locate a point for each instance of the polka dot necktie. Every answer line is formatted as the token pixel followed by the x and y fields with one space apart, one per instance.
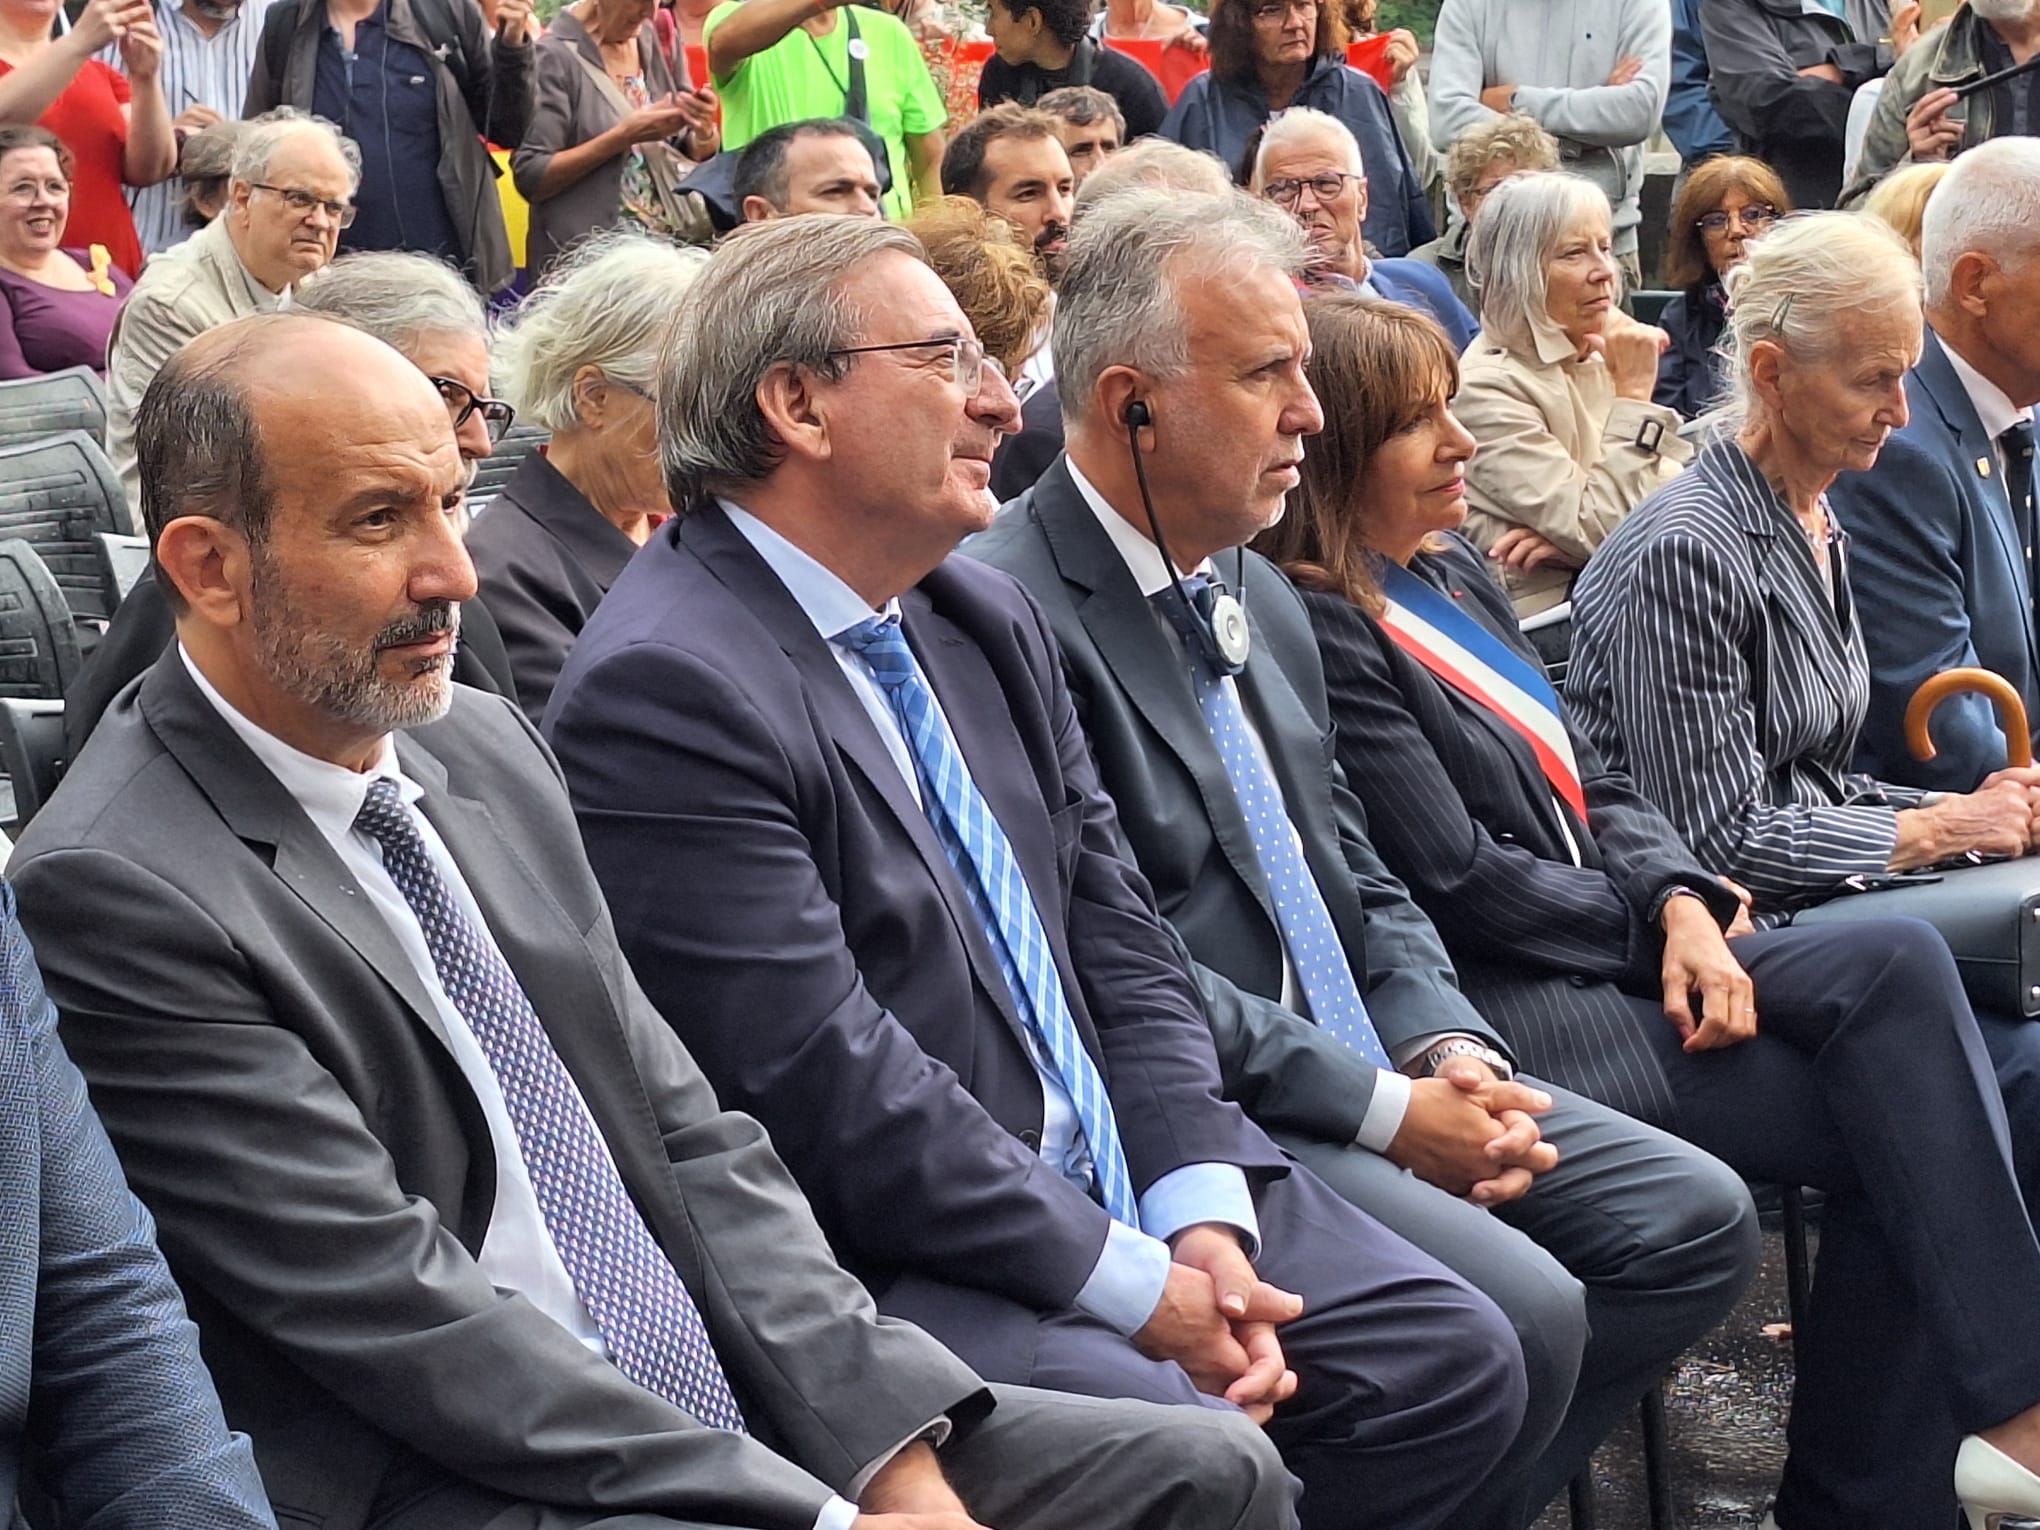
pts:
pixel 649 1321
pixel 983 857
pixel 1322 970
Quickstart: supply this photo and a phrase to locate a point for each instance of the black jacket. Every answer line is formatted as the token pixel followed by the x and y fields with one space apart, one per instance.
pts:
pixel 1137 92
pixel 1794 122
pixel 1689 375
pixel 484 91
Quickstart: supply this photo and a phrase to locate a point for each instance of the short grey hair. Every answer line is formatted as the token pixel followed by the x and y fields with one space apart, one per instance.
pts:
pixel 262 136
pixel 1520 227
pixel 1989 202
pixel 771 295
pixel 1152 162
pixel 396 297
pixel 1306 124
pixel 1119 300
pixel 1801 284
pixel 606 306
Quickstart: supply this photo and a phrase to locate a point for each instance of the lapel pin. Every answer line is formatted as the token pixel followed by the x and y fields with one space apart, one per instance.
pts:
pixel 1983 467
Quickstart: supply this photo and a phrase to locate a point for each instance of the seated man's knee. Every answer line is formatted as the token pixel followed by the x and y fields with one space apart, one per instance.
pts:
pixel 1225 1471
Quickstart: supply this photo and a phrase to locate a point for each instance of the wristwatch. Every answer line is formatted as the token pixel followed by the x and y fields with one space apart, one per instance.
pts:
pixel 1466 1046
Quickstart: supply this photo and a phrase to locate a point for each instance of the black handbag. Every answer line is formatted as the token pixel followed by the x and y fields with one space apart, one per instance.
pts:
pixel 714 180
pixel 1989 915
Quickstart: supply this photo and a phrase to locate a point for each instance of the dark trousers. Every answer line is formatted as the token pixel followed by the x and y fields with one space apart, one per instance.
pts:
pixel 1410 1382
pixel 1036 1462
pixel 1612 1265
pixel 1870 1080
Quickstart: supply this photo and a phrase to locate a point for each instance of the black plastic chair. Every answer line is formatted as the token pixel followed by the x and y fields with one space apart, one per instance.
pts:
pixel 1649 304
pixel 494 470
pixel 58 495
pixel 32 753
pixel 39 654
pixel 122 561
pixel 32 408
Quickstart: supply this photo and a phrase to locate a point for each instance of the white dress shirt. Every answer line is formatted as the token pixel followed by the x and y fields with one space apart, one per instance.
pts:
pixel 1390 1101
pixel 1133 1267
pixel 518 1253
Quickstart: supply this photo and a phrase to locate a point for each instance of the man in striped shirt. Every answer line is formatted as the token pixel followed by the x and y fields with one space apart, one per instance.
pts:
pixel 208 54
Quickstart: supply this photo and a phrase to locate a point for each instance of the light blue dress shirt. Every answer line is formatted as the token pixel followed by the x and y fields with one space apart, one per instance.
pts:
pixel 1133 1267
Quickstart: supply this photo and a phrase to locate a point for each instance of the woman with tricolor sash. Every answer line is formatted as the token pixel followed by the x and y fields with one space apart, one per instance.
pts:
pixel 1616 965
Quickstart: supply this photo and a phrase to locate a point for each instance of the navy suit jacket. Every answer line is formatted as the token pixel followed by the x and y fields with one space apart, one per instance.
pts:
pixel 102 1396
pixel 1938 562
pixel 791 912
pixel 1425 288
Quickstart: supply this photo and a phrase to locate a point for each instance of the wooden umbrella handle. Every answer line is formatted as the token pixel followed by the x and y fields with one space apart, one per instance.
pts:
pixel 1956 682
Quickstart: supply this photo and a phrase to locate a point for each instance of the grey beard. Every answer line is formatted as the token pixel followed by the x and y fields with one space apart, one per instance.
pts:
pixel 341 680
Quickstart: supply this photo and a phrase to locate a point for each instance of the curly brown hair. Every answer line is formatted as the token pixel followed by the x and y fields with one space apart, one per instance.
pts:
pixel 989 271
pixel 1377 367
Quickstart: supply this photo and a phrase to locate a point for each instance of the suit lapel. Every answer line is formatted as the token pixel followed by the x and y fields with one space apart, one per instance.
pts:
pixel 843 720
pixel 1145 661
pixel 1937 381
pixel 255 805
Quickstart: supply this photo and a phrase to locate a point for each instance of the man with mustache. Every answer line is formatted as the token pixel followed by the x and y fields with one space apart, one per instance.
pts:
pixel 292 191
pixel 1309 166
pixel 848 824
pixel 471 1243
pixel 1010 158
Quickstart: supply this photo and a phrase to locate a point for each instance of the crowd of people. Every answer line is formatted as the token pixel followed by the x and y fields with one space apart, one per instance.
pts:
pixel 966 903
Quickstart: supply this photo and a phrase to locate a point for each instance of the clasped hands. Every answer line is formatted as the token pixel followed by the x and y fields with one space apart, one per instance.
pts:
pixel 1217 1320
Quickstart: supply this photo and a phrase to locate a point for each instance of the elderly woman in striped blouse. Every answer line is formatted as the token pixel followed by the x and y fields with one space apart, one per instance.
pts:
pixel 1717 660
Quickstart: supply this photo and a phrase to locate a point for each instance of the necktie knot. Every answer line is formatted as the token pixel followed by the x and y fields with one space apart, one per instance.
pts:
pixel 2018 441
pixel 383 816
pixel 881 643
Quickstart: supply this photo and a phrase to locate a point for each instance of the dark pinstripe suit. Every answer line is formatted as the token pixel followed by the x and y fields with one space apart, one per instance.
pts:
pixel 1713 665
pixel 1866 1059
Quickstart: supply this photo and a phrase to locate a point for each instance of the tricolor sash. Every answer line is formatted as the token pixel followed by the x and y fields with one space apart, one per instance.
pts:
pixel 1428 626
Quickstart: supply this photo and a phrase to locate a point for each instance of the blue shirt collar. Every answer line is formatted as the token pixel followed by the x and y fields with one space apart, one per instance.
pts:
pixel 829 603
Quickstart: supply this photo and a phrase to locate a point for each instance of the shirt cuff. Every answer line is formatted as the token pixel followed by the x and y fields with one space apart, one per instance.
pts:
pixel 1127 1282
pixel 837 1514
pixel 1201 1192
pixel 935 1432
pixel 1385 1111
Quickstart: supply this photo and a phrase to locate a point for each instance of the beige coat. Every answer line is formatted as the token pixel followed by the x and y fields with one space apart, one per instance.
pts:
pixel 1559 453
pixel 184 291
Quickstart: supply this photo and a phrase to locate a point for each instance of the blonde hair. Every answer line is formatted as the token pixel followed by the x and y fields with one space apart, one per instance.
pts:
pixel 1801 287
pixel 991 274
pixel 1900 199
pixel 1514 137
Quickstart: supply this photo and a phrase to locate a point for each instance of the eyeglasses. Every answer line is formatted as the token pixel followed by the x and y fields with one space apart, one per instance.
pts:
pixel 28 191
pixel 968 362
pixel 1324 187
pixel 463 403
pixel 1756 215
pixel 302 202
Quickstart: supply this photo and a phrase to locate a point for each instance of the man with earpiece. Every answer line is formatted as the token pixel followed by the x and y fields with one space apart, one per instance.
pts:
pixel 1181 344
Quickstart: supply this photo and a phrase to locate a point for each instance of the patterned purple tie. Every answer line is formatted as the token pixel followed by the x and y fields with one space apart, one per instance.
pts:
pixel 651 1325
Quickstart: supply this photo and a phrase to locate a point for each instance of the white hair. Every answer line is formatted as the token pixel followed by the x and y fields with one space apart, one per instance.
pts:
pixel 260 137
pixel 1152 162
pixel 605 306
pixel 396 296
pixel 1803 286
pixel 1989 202
pixel 2004 10
pixel 1305 124
pixel 1520 228
pixel 1119 302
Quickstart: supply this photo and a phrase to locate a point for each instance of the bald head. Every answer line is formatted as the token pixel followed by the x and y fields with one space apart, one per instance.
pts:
pixel 303 487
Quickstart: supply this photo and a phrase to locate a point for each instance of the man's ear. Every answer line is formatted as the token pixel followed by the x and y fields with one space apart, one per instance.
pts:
pixel 797 415
pixel 758 210
pixel 207 564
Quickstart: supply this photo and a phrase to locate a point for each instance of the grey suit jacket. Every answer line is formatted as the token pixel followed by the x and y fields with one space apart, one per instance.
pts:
pixel 1184 827
pixel 277 1081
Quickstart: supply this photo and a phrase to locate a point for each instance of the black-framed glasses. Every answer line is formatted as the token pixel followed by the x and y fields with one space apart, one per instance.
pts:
pixel 1324 187
pixel 1756 215
pixel 302 202
pixel 463 403
pixel 968 362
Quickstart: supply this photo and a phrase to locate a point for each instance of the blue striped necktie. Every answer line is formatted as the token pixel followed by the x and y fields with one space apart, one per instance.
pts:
pixel 983 857
pixel 649 1321
pixel 1307 929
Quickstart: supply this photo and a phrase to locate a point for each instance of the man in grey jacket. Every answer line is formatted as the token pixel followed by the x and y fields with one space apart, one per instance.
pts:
pixel 1592 72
